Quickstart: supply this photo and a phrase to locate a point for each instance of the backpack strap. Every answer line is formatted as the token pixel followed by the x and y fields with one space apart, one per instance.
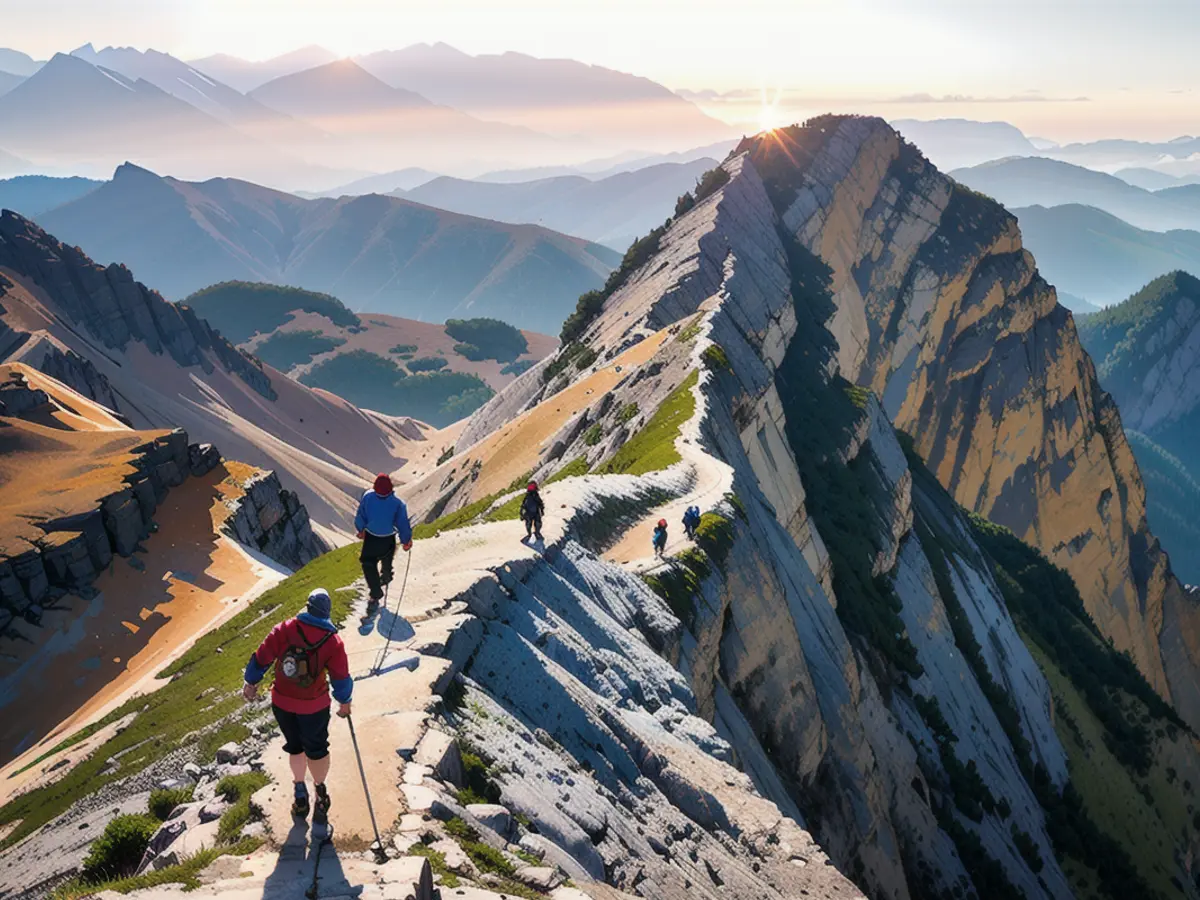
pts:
pixel 311 646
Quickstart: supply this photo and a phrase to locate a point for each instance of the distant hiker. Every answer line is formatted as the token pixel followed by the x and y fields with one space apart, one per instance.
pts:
pixel 532 510
pixel 381 516
pixel 660 537
pixel 302 650
pixel 691 521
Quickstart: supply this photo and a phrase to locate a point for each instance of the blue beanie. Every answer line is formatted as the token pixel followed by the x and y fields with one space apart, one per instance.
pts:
pixel 319 604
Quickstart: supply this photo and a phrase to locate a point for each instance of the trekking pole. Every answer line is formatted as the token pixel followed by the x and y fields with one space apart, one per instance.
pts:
pixel 377 847
pixel 382 657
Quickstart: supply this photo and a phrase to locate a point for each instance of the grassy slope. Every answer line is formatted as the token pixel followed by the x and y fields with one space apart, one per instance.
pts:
pixel 1110 792
pixel 205 688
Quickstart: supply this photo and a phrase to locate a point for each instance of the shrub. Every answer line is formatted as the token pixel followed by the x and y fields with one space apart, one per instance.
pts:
pixel 593 435
pixel 287 349
pixel 585 358
pixel 711 182
pixel 714 358
pixel 486 339
pixel 427 364
pixel 437 864
pixel 117 852
pixel 163 801
pixel 591 304
pixel 404 349
pixel 714 535
pixel 520 367
pixel 237 790
pixel 241 309
pixel 627 412
pixel 684 203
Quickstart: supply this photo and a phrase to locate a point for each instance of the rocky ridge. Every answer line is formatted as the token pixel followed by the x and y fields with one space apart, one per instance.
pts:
pixel 272 520
pixel 866 724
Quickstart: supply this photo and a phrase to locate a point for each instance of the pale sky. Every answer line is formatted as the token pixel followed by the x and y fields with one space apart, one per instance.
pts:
pixel 1024 61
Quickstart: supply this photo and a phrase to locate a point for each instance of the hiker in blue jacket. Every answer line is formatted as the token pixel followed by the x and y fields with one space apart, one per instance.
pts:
pixel 691 521
pixel 381 517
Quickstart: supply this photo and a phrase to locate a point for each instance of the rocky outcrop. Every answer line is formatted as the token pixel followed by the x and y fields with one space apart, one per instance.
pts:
pixel 80 375
pixel 847 636
pixel 76 548
pixel 941 312
pixel 115 308
pixel 273 521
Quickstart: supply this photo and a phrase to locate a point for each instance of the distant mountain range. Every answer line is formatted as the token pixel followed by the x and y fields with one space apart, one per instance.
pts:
pixel 32 195
pixel 955 143
pixel 379 254
pixel 613 211
pixel 1146 349
pixel 74 115
pixel 245 76
pixel 1099 257
pixel 1034 181
pixel 555 96
pixel 1153 179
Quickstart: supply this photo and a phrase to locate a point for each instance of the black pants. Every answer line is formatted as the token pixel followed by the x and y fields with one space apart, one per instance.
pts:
pixel 533 524
pixel 304 733
pixel 376 559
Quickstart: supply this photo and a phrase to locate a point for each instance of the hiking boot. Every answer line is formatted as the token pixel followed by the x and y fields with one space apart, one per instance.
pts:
pixel 321 808
pixel 300 803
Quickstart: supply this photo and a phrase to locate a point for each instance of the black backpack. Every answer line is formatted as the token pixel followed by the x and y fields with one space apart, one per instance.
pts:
pixel 529 506
pixel 297 664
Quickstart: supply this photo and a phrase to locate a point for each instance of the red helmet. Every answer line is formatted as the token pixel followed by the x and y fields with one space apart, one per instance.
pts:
pixel 532 486
pixel 662 523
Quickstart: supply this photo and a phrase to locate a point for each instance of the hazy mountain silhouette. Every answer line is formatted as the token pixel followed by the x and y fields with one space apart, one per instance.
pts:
pixel 8 82
pixel 1046 182
pixel 1118 152
pixel 32 195
pixel 374 124
pixel 245 76
pixel 611 165
pixel 556 96
pixel 17 63
pixel 387 183
pixel 379 254
pixel 193 87
pixel 1154 180
pixel 954 143
pixel 1095 255
pixel 84 118
pixel 613 211
pixel 13 165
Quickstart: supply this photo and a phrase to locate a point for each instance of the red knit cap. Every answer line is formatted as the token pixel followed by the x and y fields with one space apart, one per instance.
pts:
pixel 383 484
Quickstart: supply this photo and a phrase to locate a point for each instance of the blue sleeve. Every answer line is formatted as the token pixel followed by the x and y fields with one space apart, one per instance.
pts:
pixel 255 670
pixel 403 526
pixel 342 688
pixel 360 517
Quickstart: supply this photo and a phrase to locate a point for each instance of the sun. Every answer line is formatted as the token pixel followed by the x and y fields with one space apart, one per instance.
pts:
pixel 769 118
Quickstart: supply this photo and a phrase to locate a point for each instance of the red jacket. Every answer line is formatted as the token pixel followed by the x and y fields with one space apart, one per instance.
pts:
pixel 330 657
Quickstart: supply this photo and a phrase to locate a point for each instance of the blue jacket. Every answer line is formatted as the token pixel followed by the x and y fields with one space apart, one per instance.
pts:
pixel 383 516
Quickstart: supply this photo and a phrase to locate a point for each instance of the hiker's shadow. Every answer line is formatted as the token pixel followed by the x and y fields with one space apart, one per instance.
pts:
pixel 394 627
pixel 292 877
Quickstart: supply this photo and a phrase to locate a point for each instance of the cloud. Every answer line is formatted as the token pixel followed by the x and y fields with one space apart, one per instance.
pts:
pixel 967 98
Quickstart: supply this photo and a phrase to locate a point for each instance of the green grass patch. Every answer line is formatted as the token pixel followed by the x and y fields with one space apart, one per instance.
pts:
pixel 691 331
pixel 628 412
pixel 460 518
pixel 117 852
pixel 237 790
pixel 187 874
pixel 574 469
pixel 477 776
pixel 485 857
pixel 437 864
pixel 593 435
pixel 679 583
pixel 172 713
pixel 164 801
pixel 714 535
pixel 715 359
pixel 653 448
pixel 235 731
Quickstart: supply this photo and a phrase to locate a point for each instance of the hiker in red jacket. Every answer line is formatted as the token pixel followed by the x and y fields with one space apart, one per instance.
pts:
pixel 302 650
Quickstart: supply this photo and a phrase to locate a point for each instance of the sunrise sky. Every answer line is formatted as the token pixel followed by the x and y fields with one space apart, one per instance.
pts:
pixel 1064 69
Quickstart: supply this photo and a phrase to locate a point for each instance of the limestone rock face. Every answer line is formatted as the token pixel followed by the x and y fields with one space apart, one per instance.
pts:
pixel 116 309
pixel 272 520
pixel 943 314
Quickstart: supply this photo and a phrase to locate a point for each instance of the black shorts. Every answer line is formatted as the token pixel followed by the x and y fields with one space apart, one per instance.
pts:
pixel 304 733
